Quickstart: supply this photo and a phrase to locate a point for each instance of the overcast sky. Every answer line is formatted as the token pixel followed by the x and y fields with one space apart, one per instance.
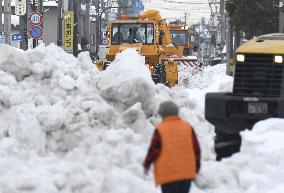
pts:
pixel 176 9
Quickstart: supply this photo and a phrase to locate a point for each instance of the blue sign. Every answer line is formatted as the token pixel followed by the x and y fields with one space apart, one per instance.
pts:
pixel 1 39
pixel 36 32
pixel 17 37
pixel 137 6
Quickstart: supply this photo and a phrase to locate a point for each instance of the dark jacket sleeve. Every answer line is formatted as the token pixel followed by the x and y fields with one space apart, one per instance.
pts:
pixel 154 150
pixel 196 150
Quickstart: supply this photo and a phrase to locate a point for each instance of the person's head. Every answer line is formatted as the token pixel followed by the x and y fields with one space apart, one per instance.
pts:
pixel 168 108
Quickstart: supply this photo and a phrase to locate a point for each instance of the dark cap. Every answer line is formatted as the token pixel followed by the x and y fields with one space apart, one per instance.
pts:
pixel 168 108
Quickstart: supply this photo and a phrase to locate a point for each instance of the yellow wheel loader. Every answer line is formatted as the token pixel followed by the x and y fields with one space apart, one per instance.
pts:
pixel 181 38
pixel 149 34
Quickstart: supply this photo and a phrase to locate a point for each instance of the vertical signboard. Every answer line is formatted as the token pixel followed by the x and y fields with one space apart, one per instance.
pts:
pixel 68 31
pixel 21 7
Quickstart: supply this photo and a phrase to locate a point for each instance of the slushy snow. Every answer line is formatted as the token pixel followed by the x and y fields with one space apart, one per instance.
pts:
pixel 66 127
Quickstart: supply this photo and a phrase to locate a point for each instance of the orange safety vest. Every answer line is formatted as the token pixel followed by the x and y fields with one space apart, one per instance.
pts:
pixel 177 158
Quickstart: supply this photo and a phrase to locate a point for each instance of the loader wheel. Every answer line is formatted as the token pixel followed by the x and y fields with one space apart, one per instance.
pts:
pixel 159 75
pixel 226 144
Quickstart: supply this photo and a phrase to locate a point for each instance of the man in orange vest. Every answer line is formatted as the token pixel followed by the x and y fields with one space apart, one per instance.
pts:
pixel 174 150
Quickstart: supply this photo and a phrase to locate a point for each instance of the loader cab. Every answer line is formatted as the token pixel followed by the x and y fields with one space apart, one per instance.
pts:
pixel 135 33
pixel 181 39
pixel 130 33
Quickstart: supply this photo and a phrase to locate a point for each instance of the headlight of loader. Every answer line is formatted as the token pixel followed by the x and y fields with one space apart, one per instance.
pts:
pixel 278 59
pixel 240 58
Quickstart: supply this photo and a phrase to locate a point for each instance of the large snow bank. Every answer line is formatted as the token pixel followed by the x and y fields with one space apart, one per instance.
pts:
pixel 66 127
pixel 62 130
pixel 256 169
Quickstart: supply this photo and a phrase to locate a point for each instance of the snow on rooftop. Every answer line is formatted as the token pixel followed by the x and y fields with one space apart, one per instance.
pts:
pixel 67 127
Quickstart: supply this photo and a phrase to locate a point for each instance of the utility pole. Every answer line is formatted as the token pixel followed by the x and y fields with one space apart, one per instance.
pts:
pixel 34 10
pixel 1 11
pixel 281 16
pixel 86 39
pixel 76 27
pixel 40 7
pixel 223 26
pixel 7 21
pixel 70 5
pixel 97 5
pixel 230 46
pixel 185 18
pixel 23 31
pixel 60 22
pixel 40 10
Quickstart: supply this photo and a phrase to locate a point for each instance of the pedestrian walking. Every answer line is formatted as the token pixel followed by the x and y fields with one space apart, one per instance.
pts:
pixel 174 151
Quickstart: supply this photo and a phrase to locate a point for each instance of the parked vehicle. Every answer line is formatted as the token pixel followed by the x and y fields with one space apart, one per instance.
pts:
pixel 258 92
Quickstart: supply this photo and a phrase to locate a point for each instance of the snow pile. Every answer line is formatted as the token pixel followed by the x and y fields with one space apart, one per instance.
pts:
pixel 66 127
pixel 210 77
pixel 135 86
pixel 256 169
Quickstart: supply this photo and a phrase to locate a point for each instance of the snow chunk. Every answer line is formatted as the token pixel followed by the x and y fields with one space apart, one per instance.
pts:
pixel 14 61
pixel 121 181
pixel 135 118
pixel 28 130
pixel 127 80
pixel 51 117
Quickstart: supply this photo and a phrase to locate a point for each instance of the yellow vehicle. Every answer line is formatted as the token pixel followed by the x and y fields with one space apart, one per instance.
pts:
pixel 258 92
pixel 181 39
pixel 230 67
pixel 149 34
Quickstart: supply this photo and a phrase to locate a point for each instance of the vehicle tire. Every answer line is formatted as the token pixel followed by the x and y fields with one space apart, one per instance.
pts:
pixel 226 144
pixel 159 75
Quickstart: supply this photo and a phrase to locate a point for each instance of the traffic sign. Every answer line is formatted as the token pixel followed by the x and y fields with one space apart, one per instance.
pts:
pixel 36 32
pixel 35 18
pixel 17 37
pixel 1 39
